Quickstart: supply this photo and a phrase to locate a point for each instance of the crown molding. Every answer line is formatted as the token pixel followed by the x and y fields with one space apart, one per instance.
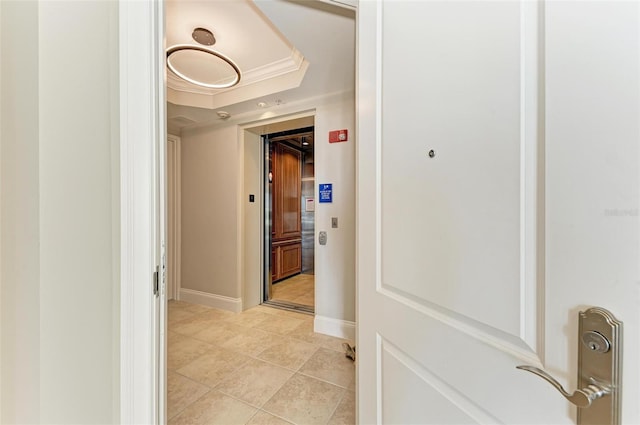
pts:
pixel 240 93
pixel 284 74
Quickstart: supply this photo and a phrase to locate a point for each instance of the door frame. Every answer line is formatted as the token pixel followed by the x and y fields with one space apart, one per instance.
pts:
pixel 142 115
pixel 142 387
pixel 174 238
pixel 266 242
pixel 252 295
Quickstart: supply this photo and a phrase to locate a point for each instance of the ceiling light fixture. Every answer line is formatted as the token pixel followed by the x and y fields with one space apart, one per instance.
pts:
pixel 262 104
pixel 204 37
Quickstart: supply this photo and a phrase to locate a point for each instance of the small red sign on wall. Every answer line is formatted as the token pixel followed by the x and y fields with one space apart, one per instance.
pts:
pixel 338 136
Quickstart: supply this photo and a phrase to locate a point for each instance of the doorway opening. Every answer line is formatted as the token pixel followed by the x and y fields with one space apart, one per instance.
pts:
pixel 289 217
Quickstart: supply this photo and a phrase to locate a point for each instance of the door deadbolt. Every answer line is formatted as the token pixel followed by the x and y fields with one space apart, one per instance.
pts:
pixel 599 369
pixel 596 342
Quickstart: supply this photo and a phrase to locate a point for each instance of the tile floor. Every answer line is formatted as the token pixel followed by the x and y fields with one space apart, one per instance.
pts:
pixel 298 289
pixel 262 366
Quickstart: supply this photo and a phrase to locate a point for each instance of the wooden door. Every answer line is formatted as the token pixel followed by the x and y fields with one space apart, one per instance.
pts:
pixel 287 177
pixel 498 195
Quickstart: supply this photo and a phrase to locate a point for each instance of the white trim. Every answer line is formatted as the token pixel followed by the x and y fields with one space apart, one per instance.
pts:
pixel 335 327
pixel 212 300
pixel 141 122
pixel 176 237
pixel 247 127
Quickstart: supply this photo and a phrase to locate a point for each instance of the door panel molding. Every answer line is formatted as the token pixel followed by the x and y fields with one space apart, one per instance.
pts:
pixel 455 402
pixel 518 333
pixel 509 344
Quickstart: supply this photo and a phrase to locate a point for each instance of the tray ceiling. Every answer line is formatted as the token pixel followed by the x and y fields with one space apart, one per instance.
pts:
pixel 287 50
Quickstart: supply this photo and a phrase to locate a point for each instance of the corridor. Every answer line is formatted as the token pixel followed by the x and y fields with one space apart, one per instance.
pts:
pixel 262 366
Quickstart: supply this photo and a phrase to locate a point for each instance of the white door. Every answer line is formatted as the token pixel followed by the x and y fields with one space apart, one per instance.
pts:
pixel 498 196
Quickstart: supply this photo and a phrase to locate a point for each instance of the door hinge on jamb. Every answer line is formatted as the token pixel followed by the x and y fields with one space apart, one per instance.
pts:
pixel 156 281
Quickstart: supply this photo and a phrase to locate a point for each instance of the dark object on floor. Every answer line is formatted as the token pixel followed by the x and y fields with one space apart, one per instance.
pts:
pixel 349 351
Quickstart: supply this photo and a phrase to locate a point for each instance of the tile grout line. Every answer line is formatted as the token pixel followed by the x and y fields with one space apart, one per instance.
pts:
pixel 278 416
pixel 281 338
pixel 335 409
pixel 324 380
pixel 190 404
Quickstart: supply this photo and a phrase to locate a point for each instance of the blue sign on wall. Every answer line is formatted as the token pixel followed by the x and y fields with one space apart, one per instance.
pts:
pixel 326 193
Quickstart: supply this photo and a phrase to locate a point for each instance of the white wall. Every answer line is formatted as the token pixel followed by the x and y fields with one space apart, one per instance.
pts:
pixel 251 226
pixel 60 212
pixel 335 262
pixel 210 216
pixel 20 279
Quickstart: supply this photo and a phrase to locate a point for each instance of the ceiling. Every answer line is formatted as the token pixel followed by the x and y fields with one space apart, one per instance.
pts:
pixel 287 50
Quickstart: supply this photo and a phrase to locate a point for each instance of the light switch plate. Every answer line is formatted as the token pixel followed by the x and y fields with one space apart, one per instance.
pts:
pixel 334 222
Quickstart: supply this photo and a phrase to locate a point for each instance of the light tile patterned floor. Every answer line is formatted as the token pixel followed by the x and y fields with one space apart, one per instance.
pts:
pixel 299 289
pixel 262 366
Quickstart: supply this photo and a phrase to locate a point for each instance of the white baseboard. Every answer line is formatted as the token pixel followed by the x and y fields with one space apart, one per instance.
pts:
pixel 335 327
pixel 211 300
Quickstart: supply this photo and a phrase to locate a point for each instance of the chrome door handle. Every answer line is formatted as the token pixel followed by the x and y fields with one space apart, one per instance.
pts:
pixel 581 398
pixel 599 369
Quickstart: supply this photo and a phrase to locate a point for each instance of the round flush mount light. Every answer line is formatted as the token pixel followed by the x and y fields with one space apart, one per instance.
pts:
pixel 214 70
pixel 262 104
pixel 203 36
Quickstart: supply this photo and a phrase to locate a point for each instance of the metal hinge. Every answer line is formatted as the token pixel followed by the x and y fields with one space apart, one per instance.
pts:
pixel 156 281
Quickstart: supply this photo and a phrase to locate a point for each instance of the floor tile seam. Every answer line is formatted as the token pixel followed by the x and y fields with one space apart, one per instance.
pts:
pixel 190 404
pixel 335 349
pixel 313 343
pixel 265 321
pixel 285 367
pixel 176 322
pixel 298 340
pixel 259 407
pixel 193 380
pixel 277 416
pixel 295 423
pixel 323 380
pixel 199 357
pixel 238 399
pixel 186 318
pixel 207 342
pixel 204 317
pixel 335 409
pixel 284 318
pixel 269 334
pixel 319 345
pixel 276 364
pixel 188 337
pixel 199 313
pixel 273 333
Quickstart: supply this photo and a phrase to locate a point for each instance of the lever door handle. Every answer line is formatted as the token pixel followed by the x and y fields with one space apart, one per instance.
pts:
pixel 581 398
